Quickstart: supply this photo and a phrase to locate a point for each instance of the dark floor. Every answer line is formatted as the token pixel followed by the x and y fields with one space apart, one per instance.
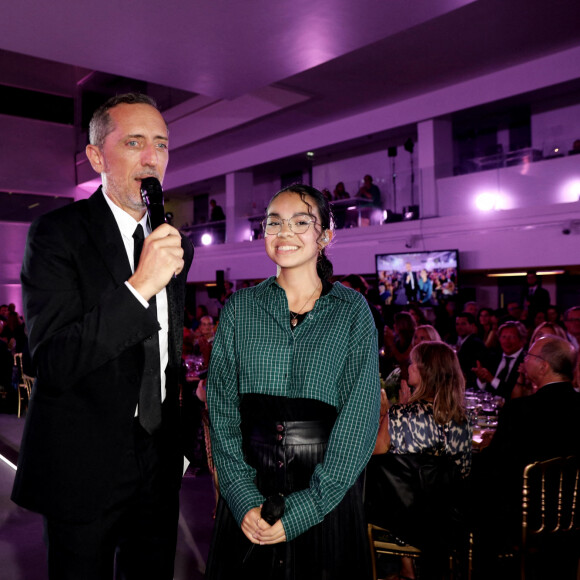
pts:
pixel 22 552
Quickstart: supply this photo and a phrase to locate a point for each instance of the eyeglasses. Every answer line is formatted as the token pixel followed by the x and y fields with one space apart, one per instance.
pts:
pixel 298 224
pixel 527 354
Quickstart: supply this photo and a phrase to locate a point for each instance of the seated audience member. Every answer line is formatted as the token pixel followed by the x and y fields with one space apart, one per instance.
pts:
pixel 572 324
pixel 471 307
pixel 553 315
pixel 228 290
pixel 503 372
pixel 396 387
pixel 6 364
pixel 484 323
pixel 445 314
pixel 341 213
pixel 370 192
pixel 200 312
pixel 470 348
pixel 340 192
pixel 548 329
pixel 417 313
pixel 203 341
pixel 433 424
pixel 533 428
pixel 514 312
pixel 398 342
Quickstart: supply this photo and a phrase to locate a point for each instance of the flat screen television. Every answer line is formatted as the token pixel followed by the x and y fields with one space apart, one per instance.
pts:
pixel 426 278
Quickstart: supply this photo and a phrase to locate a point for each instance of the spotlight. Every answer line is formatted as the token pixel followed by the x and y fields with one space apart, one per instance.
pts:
pixel 411 212
pixel 392 217
pixel 206 239
pixel 486 201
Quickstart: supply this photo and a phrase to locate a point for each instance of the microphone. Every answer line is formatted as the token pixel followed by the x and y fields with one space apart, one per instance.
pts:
pixel 152 195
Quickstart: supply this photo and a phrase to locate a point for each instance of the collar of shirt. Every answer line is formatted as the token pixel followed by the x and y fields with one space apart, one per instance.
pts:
pixel 514 356
pixel 338 290
pixel 127 225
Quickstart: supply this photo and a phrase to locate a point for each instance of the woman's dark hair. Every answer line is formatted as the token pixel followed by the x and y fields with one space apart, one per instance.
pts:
pixel 324 267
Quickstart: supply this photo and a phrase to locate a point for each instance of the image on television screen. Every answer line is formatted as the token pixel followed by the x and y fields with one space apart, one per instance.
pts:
pixel 424 278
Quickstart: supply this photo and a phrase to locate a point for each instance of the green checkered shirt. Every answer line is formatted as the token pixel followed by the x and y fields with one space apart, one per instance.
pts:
pixel 331 356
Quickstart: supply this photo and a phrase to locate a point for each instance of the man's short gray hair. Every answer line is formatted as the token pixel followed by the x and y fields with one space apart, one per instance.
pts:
pixel 101 124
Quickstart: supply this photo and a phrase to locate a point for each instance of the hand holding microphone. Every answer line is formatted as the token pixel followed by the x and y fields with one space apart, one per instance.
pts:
pixel 162 254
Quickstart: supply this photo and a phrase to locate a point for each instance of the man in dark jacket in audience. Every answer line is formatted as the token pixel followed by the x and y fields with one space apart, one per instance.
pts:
pixel 533 428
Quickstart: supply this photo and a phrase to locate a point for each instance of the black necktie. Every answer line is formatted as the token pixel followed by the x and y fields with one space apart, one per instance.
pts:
pixel 503 374
pixel 150 391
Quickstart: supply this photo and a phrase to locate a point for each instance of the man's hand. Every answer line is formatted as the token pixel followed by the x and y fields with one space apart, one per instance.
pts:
pixel 482 374
pixel 161 258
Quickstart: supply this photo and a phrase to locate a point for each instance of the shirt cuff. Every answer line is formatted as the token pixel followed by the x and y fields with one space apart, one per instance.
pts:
pixel 137 295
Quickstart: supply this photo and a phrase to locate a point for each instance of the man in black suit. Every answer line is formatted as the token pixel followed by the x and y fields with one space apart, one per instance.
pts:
pixel 101 456
pixel 470 348
pixel 532 428
pixel 410 283
pixel 503 372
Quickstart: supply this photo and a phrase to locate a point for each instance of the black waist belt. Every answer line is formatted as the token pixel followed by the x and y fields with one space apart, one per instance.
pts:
pixel 289 432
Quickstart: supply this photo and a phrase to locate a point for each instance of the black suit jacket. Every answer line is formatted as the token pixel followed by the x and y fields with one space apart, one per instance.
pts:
pixel 86 331
pixel 533 428
pixel 505 387
pixel 411 289
pixel 472 350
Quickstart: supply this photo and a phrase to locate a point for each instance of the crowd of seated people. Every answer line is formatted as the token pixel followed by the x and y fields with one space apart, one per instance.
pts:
pixel 524 357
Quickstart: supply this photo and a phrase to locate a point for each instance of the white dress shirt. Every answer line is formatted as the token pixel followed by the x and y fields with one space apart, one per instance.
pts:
pixel 127 225
pixel 495 381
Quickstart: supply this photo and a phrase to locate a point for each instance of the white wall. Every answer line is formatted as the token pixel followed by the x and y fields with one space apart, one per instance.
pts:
pixel 36 157
pixel 12 242
pixel 545 182
pixel 517 238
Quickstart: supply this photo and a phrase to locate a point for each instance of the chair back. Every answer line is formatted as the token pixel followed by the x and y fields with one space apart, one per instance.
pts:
pixel 550 497
pixel 24 384
pixel 550 503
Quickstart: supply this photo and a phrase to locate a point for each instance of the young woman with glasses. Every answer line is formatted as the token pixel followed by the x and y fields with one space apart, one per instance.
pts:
pixel 294 397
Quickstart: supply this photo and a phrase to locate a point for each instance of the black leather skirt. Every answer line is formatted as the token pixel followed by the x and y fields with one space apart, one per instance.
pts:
pixel 285 453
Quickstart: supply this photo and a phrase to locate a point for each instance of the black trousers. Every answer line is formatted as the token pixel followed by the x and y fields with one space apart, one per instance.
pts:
pixel 135 536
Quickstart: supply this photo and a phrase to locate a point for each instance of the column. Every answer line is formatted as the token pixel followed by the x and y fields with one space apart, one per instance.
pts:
pixel 238 205
pixel 435 158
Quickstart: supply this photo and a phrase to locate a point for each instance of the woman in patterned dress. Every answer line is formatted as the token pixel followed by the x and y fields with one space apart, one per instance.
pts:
pixel 434 421
pixel 293 398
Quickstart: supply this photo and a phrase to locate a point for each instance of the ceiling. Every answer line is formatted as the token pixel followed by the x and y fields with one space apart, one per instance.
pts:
pixel 249 71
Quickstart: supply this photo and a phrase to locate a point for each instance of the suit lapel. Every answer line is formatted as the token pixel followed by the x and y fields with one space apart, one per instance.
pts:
pixel 107 238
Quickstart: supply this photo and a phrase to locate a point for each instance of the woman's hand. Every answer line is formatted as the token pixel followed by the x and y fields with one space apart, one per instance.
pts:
pixel 271 534
pixel 250 524
pixel 404 392
pixel 258 531
pixel 385 405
